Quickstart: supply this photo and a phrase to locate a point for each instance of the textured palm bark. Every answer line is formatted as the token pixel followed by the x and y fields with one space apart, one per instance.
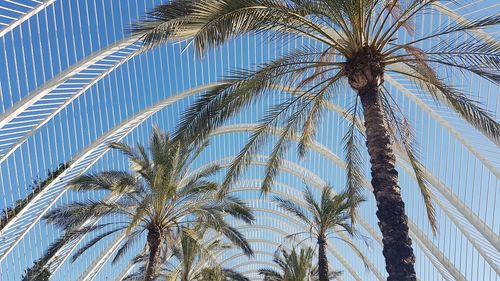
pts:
pixel 322 260
pixel 154 241
pixel 393 221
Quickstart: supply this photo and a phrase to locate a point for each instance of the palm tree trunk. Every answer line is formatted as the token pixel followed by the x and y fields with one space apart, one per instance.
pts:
pixel 393 221
pixel 154 241
pixel 322 260
pixel 184 276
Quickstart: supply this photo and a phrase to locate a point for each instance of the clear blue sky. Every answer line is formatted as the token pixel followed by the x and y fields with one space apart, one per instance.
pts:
pixel 68 31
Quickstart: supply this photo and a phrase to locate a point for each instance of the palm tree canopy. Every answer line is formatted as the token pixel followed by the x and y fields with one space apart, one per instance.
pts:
pixel 294 266
pixel 330 212
pixel 326 218
pixel 360 42
pixel 160 196
pixel 192 260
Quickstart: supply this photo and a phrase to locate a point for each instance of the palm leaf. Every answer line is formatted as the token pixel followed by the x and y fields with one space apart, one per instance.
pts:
pixel 402 128
pixel 353 159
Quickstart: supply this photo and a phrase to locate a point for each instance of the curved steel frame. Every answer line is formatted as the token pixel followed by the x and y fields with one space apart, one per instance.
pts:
pixel 15 132
pixel 35 10
pixel 39 107
pixel 434 182
pixel 15 230
pixel 12 233
pixel 157 107
pixel 330 249
pixel 444 266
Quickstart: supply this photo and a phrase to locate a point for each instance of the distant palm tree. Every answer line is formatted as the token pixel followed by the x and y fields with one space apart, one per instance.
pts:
pixel 295 266
pixel 325 219
pixel 221 274
pixel 190 260
pixel 161 199
pixel 360 41
pixel 196 262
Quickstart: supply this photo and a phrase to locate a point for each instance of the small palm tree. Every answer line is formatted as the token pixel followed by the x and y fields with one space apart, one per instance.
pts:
pixel 160 199
pixel 295 266
pixel 190 260
pixel 196 262
pixel 326 219
pixel 221 274
pixel 361 41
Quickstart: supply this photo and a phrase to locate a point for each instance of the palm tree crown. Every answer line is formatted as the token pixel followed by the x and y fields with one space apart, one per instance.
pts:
pixel 161 199
pixel 326 219
pixel 198 262
pixel 361 43
pixel 294 266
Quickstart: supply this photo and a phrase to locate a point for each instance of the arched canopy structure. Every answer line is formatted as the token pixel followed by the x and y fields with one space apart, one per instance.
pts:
pixel 73 80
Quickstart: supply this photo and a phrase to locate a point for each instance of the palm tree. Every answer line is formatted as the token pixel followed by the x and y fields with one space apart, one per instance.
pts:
pixel 196 262
pixel 325 219
pixel 360 42
pixel 161 199
pixel 221 274
pixel 295 266
pixel 191 260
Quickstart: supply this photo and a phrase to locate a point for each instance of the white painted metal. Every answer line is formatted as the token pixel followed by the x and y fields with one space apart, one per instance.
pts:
pixel 15 230
pixel 25 16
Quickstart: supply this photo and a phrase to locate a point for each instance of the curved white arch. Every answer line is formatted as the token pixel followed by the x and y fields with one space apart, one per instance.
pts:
pixel 26 16
pixel 16 141
pixel 316 182
pixel 96 266
pixel 442 268
pixel 487 232
pixel 276 245
pixel 253 263
pixel 135 121
pixel 331 248
pixel 15 230
pixel 42 106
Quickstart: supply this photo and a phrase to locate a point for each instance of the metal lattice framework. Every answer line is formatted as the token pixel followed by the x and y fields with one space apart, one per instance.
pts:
pixel 75 81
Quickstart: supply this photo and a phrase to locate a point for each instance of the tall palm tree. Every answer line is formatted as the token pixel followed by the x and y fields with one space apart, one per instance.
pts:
pixel 325 219
pixel 361 40
pixel 295 266
pixel 160 199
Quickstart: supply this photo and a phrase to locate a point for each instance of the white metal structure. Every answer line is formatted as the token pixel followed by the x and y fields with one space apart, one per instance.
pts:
pixel 72 80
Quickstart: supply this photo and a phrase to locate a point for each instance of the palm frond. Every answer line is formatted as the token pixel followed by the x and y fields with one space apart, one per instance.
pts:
pixel 92 242
pixel 232 275
pixel 461 26
pixel 130 240
pixel 114 181
pixel 238 239
pixel 481 59
pixel 138 158
pixel 73 215
pixel 293 208
pixel 205 172
pixel 353 159
pixel 239 90
pixel 270 274
pixel 312 120
pixel 403 133
pixel 458 101
pixel 211 23
pixel 236 208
